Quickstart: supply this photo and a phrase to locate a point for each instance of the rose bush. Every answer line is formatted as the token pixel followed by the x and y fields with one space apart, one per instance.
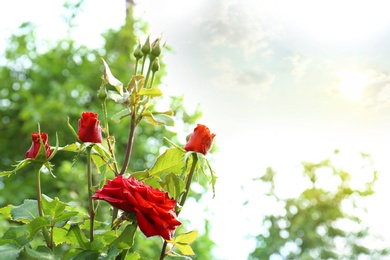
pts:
pixel 151 199
pixel 89 128
pixel 37 138
pixel 154 210
pixel 200 140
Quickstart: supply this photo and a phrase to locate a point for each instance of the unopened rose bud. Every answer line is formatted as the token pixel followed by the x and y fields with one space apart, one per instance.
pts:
pixel 155 65
pixel 146 47
pixel 138 53
pixel 156 48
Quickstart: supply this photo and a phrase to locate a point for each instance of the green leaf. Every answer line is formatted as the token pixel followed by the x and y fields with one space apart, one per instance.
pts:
pixel 86 254
pixel 158 119
pixel 152 92
pixel 185 249
pixel 9 251
pixel 115 96
pixel 108 236
pixel 126 238
pixel 76 236
pixel 172 160
pixel 60 236
pixel 52 207
pixel 136 83
pixel 6 211
pixel 56 209
pixel 120 115
pixel 110 79
pixel 111 254
pixel 97 244
pixel 26 212
pixel 173 185
pixel 64 217
pixel 99 149
pixel 18 234
pixel 75 148
pixel 132 256
pixel 182 242
pixel 41 253
pixel 187 238
pixel 36 225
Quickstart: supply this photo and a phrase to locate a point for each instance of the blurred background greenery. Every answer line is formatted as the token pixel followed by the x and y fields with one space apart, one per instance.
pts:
pixel 46 82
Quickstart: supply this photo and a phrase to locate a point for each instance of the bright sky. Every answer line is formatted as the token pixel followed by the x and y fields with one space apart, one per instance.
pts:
pixel 279 82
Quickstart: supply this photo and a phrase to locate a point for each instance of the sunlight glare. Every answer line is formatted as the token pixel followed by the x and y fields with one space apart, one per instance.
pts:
pixel 352 84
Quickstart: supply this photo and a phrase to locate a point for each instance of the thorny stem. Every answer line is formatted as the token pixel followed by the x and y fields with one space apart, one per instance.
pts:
pixel 40 210
pixel 183 198
pixel 90 200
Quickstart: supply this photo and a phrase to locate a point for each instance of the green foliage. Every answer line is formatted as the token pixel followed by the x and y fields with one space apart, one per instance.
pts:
pixel 51 83
pixel 323 222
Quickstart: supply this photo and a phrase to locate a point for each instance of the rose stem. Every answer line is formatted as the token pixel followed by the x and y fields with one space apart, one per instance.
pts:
pixel 130 140
pixel 129 146
pixel 90 200
pixel 183 198
pixel 110 148
pixel 39 199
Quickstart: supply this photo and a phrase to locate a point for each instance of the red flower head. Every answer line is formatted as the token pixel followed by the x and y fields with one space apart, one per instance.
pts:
pixel 154 210
pixel 36 144
pixel 89 128
pixel 201 140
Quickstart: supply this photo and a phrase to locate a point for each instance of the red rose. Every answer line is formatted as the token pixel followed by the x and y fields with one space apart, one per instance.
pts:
pixel 36 144
pixel 201 140
pixel 154 210
pixel 89 128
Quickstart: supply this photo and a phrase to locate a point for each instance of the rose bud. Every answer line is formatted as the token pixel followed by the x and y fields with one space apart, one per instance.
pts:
pixel 89 128
pixel 200 140
pixel 36 144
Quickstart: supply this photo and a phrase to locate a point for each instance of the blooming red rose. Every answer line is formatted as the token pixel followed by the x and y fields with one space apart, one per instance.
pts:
pixel 36 144
pixel 89 128
pixel 154 210
pixel 200 140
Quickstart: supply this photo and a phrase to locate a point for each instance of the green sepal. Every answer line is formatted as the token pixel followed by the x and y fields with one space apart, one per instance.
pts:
pixel 17 167
pixel 204 166
pixel 110 79
pixel 74 133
